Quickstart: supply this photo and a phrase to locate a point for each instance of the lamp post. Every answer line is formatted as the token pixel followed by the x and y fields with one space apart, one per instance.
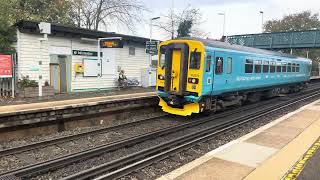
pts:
pixel 224 22
pixel 150 56
pixel 261 12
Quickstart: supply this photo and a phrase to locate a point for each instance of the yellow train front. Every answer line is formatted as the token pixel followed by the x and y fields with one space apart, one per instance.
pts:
pixel 179 76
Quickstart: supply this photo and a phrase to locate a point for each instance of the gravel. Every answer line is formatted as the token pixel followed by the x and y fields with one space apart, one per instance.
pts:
pixel 169 164
pixel 81 144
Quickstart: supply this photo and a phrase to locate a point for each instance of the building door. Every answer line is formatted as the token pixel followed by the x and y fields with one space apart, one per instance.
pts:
pixel 63 73
pixel 55 77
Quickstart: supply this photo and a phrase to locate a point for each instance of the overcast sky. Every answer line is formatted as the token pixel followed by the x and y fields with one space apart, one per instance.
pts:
pixel 242 16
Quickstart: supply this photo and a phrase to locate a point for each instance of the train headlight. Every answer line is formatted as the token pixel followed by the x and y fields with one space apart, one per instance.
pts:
pixel 161 77
pixel 193 80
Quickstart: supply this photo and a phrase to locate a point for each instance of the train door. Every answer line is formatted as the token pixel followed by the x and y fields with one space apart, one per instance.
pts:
pixel 208 73
pixel 220 80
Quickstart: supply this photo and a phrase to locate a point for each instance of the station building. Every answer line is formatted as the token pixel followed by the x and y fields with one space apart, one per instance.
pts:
pixel 67 59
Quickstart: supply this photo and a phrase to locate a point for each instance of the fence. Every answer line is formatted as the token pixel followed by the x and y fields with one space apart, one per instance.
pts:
pixel 5 87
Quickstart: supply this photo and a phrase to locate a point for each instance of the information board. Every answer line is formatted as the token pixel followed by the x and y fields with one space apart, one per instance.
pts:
pixel 5 66
pixel 92 67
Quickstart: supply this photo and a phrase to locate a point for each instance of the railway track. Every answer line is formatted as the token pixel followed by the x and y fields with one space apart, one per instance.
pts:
pixel 117 166
pixel 63 139
pixel 75 157
pixel 141 159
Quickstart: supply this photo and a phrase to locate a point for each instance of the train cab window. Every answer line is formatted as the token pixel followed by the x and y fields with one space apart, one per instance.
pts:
pixel 265 66
pixel 257 66
pixel 284 67
pixel 208 63
pixel 249 66
pixel 229 65
pixel 289 67
pixel 219 65
pixel 298 68
pixel 272 67
pixel 162 57
pixel 195 60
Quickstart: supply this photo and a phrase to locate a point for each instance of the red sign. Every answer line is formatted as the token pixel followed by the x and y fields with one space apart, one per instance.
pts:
pixel 5 66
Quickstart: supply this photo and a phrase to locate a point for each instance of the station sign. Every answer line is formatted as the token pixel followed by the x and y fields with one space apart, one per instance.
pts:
pixel 85 53
pixel 111 43
pixel 152 47
pixel 5 66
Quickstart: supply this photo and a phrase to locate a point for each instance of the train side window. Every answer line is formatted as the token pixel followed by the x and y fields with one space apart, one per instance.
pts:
pixel 208 63
pixel 162 56
pixel 278 66
pixel 219 65
pixel 257 66
pixel 229 65
pixel 293 67
pixel 273 67
pixel 249 66
pixel 195 60
pixel 284 67
pixel 298 68
pixel 265 66
pixel 289 67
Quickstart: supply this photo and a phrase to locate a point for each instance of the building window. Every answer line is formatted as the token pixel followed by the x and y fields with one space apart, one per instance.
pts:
pixel 132 51
pixel 195 60
pixel 265 66
pixel 284 67
pixel 257 66
pixel 249 66
pixel 289 67
pixel 208 63
pixel 272 67
pixel 229 65
pixel 219 65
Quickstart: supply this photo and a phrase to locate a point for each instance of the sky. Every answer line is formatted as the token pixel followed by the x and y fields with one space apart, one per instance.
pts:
pixel 242 16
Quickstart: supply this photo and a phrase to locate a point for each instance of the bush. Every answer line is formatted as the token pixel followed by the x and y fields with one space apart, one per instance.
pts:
pixel 26 82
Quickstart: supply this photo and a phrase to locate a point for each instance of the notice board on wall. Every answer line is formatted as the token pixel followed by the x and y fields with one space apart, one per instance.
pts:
pixel 92 67
pixel 5 66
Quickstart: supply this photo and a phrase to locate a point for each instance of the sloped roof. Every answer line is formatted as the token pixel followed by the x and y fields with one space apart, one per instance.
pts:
pixel 32 26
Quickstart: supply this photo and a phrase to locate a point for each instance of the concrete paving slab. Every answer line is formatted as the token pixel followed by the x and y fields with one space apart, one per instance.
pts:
pixel 246 153
pixel 270 140
pixel 217 169
pixel 284 131
pixel 298 122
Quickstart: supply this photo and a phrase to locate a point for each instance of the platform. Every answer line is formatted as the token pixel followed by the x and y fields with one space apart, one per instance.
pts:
pixel 270 152
pixel 54 105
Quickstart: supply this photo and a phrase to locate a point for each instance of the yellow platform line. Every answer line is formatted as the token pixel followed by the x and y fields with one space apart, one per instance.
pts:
pixel 277 166
pixel 298 167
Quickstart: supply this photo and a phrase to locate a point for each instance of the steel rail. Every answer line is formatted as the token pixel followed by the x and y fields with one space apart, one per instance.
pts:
pixel 55 141
pixel 138 160
pixel 71 158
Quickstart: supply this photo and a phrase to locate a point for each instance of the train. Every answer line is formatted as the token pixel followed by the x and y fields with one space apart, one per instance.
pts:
pixel 197 75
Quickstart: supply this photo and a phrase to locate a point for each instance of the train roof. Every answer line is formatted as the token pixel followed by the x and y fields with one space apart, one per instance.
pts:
pixel 225 45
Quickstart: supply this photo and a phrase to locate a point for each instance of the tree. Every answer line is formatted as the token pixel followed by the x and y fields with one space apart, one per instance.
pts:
pixel 7 32
pixel 54 11
pixel 181 23
pixel 298 22
pixel 93 13
pixel 293 22
pixel 184 28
